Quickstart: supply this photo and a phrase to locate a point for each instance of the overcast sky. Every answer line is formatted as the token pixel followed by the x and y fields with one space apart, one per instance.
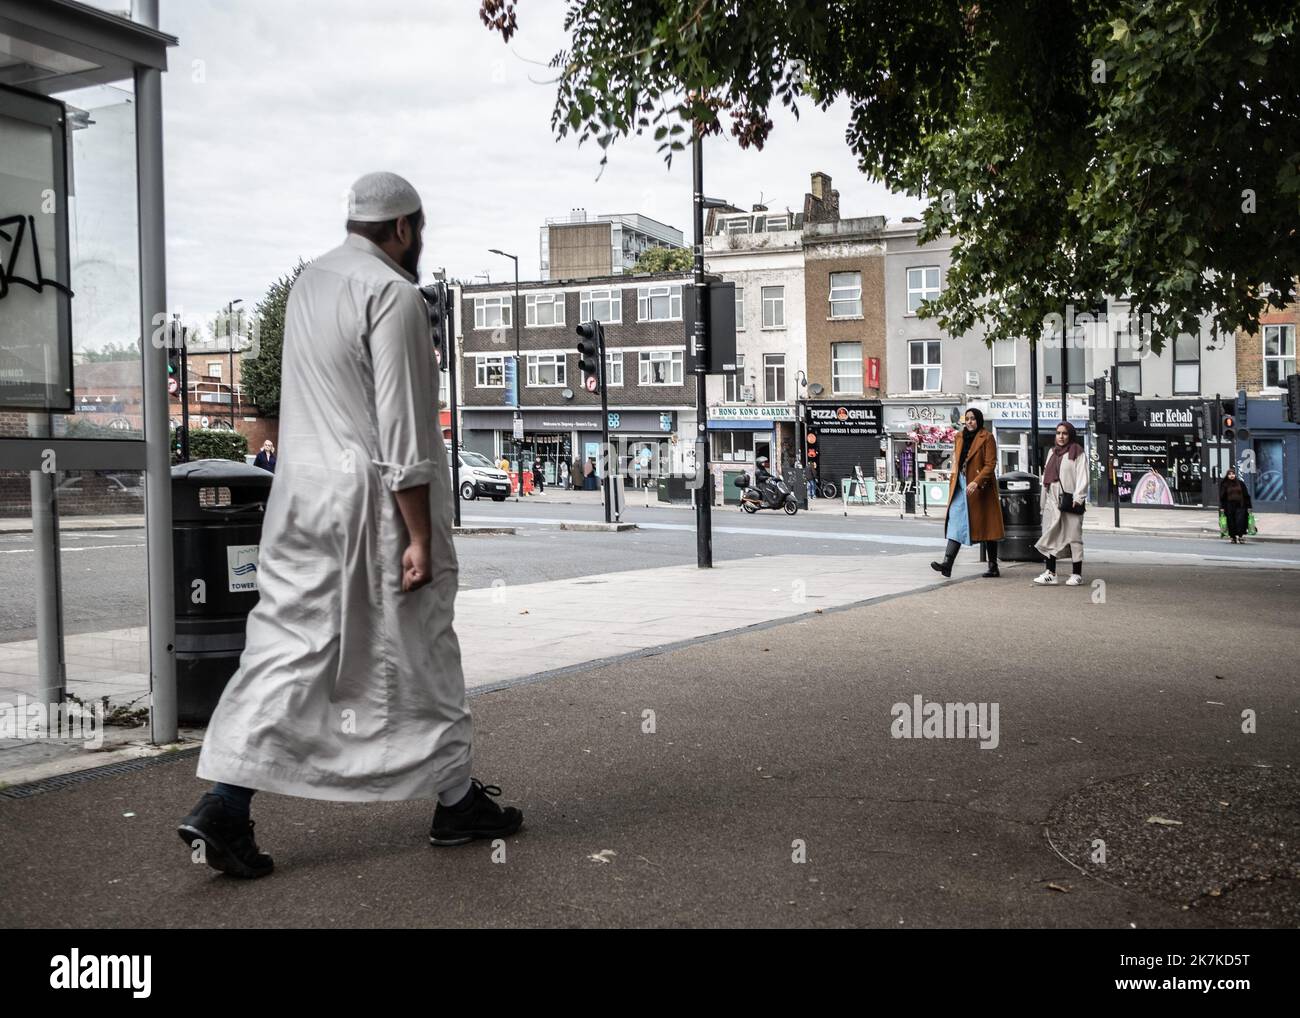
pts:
pixel 273 107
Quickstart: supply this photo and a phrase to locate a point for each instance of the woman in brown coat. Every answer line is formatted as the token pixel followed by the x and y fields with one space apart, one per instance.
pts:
pixel 974 508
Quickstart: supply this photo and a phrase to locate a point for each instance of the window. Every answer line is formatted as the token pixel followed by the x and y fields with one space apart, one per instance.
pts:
pixel 601 306
pixel 846 369
pixel 214 369
pixel 778 223
pixel 846 294
pixel 922 284
pixel 773 307
pixel 546 369
pixel 925 365
pixel 659 303
pixel 1187 364
pixel 774 378
pixel 613 368
pixel 1052 363
pixel 732 446
pixel 740 307
pixel 1279 354
pixel 490 372
pixel 661 367
pixel 493 312
pixel 740 224
pixel 544 309
pixel 1004 366
pixel 732 381
pixel 1129 375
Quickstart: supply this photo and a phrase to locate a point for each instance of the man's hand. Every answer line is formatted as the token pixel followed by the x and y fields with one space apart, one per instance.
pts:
pixel 972 488
pixel 417 566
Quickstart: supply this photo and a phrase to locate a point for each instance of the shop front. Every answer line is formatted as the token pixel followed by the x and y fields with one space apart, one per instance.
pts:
pixel 1269 457
pixel 845 440
pixel 1160 459
pixel 919 442
pixel 556 440
pixel 1012 428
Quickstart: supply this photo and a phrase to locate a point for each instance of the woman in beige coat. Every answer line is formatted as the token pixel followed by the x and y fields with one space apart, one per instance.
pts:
pixel 1066 473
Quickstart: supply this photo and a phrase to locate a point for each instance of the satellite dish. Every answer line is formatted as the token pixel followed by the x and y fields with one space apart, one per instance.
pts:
pixel 816 388
pixel 567 393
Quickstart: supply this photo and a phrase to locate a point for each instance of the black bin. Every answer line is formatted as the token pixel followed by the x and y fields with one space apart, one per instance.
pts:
pixel 797 479
pixel 217 512
pixel 1022 517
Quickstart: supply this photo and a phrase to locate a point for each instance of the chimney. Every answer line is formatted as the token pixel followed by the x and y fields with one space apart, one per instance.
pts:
pixel 822 203
pixel 759 208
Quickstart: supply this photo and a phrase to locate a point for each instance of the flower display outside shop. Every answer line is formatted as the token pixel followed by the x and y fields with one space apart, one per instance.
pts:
pixel 932 436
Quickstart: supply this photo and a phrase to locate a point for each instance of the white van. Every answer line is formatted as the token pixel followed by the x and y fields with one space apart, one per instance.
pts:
pixel 480 476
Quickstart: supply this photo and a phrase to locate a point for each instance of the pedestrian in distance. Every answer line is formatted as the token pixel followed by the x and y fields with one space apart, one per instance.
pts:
pixel 539 480
pixel 266 456
pixel 1234 503
pixel 562 478
pixel 974 509
pixel 350 685
pixel 576 475
pixel 1065 482
pixel 590 482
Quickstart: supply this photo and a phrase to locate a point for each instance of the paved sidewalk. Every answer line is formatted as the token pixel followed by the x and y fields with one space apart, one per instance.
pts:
pixel 753 780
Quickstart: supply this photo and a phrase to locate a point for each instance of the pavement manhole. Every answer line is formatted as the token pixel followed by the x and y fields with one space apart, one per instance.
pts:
pixel 1224 841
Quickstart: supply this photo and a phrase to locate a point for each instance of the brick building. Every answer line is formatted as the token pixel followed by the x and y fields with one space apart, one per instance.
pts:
pixel 651 391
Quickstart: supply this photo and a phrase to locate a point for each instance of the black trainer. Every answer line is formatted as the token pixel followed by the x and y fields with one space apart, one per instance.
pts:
pixel 477 816
pixel 227 839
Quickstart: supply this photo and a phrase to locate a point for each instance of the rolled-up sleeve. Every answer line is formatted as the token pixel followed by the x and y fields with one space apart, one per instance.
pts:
pixel 401 353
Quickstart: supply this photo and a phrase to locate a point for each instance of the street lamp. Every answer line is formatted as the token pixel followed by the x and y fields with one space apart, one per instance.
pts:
pixel 514 315
pixel 230 344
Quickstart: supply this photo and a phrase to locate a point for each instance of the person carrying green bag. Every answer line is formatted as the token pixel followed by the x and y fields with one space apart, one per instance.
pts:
pixel 1234 507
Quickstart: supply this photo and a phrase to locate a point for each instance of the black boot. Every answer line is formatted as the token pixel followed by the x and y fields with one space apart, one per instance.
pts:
pixel 949 554
pixel 991 553
pixel 226 838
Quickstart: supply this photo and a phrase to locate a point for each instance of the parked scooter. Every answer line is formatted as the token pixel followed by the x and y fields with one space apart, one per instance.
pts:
pixel 776 494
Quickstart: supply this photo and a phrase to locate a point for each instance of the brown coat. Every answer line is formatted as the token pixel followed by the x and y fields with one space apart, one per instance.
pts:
pixel 984 507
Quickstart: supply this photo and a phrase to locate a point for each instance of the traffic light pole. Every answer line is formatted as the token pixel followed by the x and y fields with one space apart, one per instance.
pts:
pixel 1114 436
pixel 700 343
pixel 185 398
pixel 608 480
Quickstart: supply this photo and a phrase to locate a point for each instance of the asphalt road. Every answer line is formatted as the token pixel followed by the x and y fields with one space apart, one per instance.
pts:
pixel 104 571
pixel 775 746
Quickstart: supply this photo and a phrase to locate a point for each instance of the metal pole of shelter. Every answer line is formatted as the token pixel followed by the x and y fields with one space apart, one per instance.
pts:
pixel 1035 466
pixel 453 355
pixel 153 322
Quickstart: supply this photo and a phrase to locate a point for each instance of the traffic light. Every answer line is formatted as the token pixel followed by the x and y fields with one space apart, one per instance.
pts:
pixel 1214 421
pixel 1229 427
pixel 1243 432
pixel 173 372
pixel 1293 398
pixel 1099 410
pixel 178 442
pixel 437 298
pixel 1128 410
pixel 591 340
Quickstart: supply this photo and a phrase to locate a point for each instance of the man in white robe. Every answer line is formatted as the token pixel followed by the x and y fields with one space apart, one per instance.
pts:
pixel 350 684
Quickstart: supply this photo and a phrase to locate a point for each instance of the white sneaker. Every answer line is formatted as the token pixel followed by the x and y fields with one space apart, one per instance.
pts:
pixel 1075 580
pixel 1047 579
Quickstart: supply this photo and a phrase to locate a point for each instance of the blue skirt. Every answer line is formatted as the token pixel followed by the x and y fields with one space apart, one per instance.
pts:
pixel 959 517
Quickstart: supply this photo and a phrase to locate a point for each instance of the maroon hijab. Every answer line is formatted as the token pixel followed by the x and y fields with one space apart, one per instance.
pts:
pixel 1072 449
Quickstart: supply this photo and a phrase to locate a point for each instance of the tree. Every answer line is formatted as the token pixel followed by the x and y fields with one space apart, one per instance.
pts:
pixel 1073 149
pixel 261 374
pixel 665 259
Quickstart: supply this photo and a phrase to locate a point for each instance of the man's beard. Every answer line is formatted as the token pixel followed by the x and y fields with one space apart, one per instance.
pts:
pixel 410 261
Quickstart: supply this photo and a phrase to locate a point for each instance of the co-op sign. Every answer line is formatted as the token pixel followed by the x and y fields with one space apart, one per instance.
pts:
pixel 845 418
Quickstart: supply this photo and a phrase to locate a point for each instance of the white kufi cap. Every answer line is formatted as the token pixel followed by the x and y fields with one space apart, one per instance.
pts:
pixel 379 197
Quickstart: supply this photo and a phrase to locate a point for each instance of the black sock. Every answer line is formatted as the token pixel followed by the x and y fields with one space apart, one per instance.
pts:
pixel 1077 567
pixel 236 798
pixel 1051 564
pixel 991 552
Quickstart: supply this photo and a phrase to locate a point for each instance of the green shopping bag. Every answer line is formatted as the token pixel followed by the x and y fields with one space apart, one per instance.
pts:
pixel 1250 524
pixel 1223 523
